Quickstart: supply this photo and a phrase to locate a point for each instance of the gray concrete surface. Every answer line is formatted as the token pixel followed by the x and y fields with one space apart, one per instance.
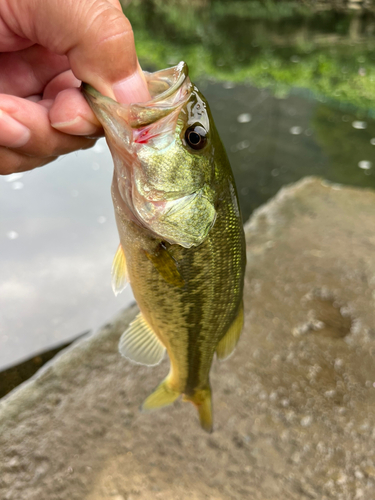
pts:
pixel 293 407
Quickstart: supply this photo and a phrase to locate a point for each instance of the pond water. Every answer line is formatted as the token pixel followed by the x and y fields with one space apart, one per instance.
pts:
pixel 292 95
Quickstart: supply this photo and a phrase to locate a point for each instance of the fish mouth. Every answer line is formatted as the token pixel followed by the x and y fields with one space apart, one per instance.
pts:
pixel 131 127
pixel 169 89
pixel 127 126
pixel 89 91
pixel 161 84
pixel 165 82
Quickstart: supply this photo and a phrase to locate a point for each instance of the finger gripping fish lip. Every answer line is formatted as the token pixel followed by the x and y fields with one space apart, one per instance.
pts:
pixel 169 88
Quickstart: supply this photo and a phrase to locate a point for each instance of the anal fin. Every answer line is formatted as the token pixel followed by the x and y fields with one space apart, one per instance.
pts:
pixel 119 272
pixel 227 344
pixel 140 344
pixel 163 395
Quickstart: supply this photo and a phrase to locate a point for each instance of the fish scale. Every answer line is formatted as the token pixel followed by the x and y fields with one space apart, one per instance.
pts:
pixel 181 237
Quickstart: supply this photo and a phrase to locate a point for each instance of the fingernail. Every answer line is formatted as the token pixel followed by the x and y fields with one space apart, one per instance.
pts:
pixel 78 126
pixel 12 133
pixel 132 89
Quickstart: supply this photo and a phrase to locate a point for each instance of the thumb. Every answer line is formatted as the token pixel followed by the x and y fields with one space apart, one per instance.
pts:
pixel 95 36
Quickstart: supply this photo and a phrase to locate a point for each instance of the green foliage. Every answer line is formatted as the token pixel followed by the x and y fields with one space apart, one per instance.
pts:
pixel 269 44
pixel 268 10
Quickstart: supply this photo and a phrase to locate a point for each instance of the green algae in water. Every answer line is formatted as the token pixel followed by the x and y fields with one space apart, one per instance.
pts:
pixel 270 44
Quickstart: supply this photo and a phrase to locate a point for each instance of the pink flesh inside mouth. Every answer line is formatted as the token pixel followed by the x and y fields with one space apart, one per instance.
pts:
pixel 158 129
pixel 144 137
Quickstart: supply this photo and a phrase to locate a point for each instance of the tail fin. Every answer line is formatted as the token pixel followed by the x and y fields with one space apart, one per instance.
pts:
pixel 202 400
pixel 163 395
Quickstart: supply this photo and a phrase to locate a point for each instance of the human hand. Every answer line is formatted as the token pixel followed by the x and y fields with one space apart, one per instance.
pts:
pixel 47 47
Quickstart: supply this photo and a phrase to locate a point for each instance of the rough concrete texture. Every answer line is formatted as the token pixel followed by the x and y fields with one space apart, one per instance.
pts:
pixel 293 407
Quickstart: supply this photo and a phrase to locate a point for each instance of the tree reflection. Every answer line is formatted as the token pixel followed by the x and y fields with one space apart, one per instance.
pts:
pixel 270 44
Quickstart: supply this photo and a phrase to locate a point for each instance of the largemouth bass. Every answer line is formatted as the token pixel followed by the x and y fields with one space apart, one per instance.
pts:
pixel 182 244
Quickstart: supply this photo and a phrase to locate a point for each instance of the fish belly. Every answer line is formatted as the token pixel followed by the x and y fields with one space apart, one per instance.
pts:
pixel 189 319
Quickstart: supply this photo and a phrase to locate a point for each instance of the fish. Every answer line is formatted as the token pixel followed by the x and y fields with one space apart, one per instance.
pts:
pixel 182 245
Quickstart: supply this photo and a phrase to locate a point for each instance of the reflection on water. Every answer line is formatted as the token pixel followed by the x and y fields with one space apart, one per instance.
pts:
pixel 284 139
pixel 57 241
pixel 57 230
pixel 277 44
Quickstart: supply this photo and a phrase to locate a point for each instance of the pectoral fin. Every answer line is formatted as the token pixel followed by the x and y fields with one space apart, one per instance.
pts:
pixel 227 344
pixel 166 266
pixel 140 344
pixel 119 272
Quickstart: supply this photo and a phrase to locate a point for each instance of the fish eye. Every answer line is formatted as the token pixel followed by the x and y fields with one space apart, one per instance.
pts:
pixel 196 137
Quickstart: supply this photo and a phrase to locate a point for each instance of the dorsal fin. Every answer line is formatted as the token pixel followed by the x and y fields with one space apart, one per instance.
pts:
pixel 227 344
pixel 140 344
pixel 119 272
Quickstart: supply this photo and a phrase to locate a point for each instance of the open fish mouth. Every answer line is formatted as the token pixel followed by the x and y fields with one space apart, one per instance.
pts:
pixel 169 89
pixel 129 126
pixel 152 161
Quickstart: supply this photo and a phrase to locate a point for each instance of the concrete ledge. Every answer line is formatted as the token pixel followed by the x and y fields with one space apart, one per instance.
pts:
pixel 293 407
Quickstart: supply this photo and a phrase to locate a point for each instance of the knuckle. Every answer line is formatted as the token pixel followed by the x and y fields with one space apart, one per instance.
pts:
pixel 69 144
pixel 38 148
pixel 90 143
pixel 107 22
pixel 10 162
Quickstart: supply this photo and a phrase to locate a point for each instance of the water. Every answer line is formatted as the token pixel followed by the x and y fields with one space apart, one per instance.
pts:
pixel 292 94
pixel 57 242
pixel 287 139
